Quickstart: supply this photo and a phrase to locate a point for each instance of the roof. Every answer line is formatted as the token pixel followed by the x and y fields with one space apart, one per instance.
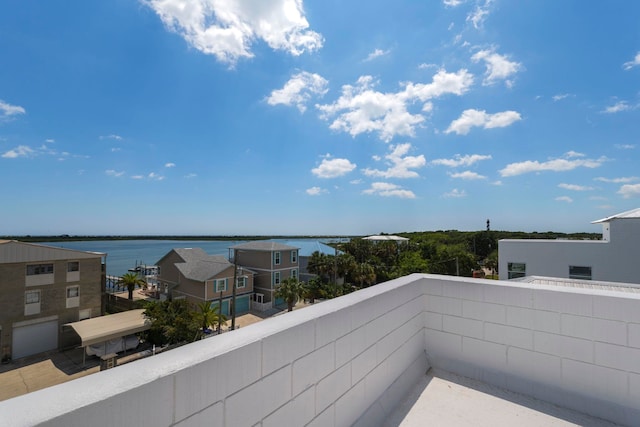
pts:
pixel 264 245
pixel 634 213
pixel 386 237
pixel 582 284
pixel 308 247
pixel 203 269
pixel 105 328
pixel 14 251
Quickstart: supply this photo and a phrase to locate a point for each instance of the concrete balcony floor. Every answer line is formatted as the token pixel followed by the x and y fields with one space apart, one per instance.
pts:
pixel 445 399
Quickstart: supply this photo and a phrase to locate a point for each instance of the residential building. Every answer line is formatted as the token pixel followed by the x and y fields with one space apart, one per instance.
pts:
pixel 272 263
pixel 612 259
pixel 43 288
pixel 357 359
pixel 193 274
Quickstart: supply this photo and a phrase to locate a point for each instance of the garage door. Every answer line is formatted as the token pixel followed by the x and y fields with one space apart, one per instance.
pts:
pixel 32 339
pixel 242 305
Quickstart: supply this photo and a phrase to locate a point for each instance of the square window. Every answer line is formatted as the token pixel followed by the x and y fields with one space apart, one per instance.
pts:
pixel 516 269
pixel 73 291
pixel 241 282
pixel 221 285
pixel 73 266
pixel 32 297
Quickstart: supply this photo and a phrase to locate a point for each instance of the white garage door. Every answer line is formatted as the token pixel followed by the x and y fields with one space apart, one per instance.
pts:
pixel 32 339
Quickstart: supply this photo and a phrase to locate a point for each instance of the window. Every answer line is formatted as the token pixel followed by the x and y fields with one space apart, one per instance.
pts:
pixel 73 291
pixel 276 258
pixel 577 272
pixel 73 266
pixel 276 277
pixel 516 269
pixel 73 296
pixel 241 282
pixel 221 285
pixel 36 269
pixel 294 256
pixel 294 273
pixel 32 297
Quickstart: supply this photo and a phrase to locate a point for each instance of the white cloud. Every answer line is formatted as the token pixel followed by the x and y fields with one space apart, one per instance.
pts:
pixel 50 140
pixel 617 107
pixel 137 177
pixel 479 14
pixel 467 175
pixel 458 160
pixel 8 111
pixel 625 146
pixel 623 180
pixel 479 118
pixel 574 187
pixel 498 67
pixel 227 29
pixel 19 151
pixel 111 172
pixel 298 90
pixel 315 191
pixel 629 190
pixel 455 194
pixel 112 136
pixel 564 199
pixel 629 65
pixel 453 3
pixel 190 175
pixel 400 164
pixel 115 149
pixel 361 109
pixel 554 165
pixel 376 54
pixel 386 189
pixel 333 168
pixel 169 165
pixel 560 96
pixel 155 177
pixel 571 154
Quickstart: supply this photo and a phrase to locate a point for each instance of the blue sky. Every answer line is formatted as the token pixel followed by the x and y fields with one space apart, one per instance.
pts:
pixel 317 117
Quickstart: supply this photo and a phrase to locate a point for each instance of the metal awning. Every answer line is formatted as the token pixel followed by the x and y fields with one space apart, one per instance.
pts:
pixel 105 328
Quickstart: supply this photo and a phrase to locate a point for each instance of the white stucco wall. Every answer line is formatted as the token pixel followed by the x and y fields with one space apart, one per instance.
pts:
pixel 349 361
pixel 614 260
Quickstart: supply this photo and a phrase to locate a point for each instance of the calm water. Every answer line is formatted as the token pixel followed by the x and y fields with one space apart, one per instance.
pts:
pixel 125 254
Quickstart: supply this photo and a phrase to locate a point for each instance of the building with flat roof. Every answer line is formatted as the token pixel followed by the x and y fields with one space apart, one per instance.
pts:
pixel 613 258
pixel 41 289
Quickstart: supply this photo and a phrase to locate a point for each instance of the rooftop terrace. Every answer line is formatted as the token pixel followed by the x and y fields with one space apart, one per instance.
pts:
pixel 357 360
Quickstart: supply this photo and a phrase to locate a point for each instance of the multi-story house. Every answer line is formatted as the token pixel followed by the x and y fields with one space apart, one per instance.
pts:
pixel 41 289
pixel 611 259
pixel 272 262
pixel 193 274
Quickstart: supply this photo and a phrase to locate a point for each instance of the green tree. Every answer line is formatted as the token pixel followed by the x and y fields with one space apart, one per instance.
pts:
pixel 313 289
pixel 172 322
pixel 130 281
pixel 209 315
pixel 364 274
pixel 290 289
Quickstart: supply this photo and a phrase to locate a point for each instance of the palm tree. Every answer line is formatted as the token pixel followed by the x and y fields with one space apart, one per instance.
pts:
pixel 209 315
pixel 364 274
pixel 130 281
pixel 290 290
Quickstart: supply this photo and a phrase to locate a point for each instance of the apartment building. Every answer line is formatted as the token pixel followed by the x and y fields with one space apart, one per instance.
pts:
pixel 41 289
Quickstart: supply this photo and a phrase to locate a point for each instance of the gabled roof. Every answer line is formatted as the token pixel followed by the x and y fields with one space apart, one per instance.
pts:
pixel 634 213
pixel 14 251
pixel 203 269
pixel 264 245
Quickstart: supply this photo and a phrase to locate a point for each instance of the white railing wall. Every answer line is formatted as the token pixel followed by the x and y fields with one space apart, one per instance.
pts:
pixel 349 361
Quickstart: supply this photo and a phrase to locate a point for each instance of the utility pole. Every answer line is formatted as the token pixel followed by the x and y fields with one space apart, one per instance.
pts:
pixel 233 292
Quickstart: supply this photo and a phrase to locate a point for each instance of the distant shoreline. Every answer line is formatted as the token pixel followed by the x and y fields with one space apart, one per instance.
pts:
pixel 68 238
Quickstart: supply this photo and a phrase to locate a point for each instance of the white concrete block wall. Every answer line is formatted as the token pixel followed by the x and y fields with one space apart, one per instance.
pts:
pixel 575 348
pixel 325 365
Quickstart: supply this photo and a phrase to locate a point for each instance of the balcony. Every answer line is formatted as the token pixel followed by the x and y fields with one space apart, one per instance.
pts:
pixel 356 359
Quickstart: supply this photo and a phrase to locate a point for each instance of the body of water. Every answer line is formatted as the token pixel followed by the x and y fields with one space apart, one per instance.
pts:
pixel 125 254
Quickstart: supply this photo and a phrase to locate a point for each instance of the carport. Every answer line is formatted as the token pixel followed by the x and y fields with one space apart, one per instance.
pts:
pixel 105 328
